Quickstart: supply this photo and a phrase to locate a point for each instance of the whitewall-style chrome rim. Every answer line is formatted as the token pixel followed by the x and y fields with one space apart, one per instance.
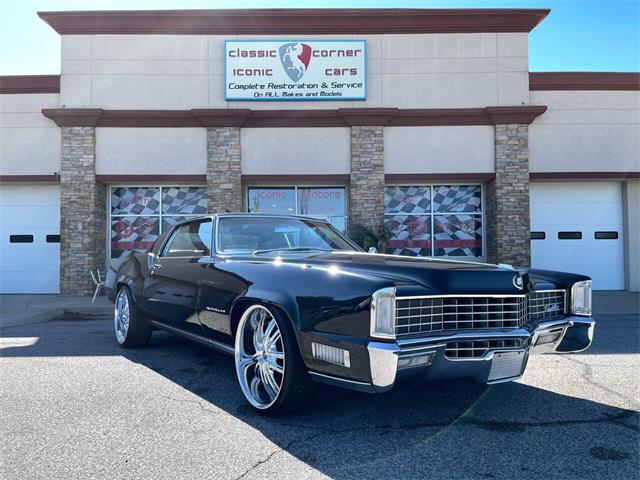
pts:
pixel 259 356
pixel 121 316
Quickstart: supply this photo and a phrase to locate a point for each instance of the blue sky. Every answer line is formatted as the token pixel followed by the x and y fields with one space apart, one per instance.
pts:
pixel 578 35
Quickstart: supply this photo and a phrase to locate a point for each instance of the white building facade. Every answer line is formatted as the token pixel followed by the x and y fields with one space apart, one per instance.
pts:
pixel 430 125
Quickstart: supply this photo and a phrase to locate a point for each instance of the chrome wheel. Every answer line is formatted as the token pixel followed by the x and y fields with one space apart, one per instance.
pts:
pixel 259 356
pixel 121 316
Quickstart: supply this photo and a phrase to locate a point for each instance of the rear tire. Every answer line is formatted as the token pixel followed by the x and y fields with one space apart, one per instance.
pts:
pixel 131 329
pixel 270 370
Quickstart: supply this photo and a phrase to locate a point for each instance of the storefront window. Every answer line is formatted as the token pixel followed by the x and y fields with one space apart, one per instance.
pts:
pixel 140 214
pixel 272 200
pixel 436 220
pixel 326 203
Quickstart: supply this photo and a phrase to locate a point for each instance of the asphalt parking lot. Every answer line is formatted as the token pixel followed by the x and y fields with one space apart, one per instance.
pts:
pixel 74 405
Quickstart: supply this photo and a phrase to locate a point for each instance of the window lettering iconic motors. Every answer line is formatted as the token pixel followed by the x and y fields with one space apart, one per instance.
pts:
pixel 326 203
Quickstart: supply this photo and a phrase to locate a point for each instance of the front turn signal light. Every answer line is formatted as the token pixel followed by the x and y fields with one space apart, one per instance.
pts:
pixel 581 298
pixel 383 313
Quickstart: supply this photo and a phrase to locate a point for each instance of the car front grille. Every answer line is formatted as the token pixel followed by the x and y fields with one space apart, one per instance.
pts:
pixel 437 314
pixel 546 304
pixel 432 314
pixel 479 348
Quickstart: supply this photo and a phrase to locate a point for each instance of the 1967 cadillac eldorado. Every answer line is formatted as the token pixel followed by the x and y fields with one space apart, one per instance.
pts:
pixel 294 300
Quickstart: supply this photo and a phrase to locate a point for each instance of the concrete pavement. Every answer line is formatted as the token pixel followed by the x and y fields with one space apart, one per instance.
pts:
pixel 616 303
pixel 27 308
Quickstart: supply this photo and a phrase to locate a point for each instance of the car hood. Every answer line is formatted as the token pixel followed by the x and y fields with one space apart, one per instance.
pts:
pixel 406 273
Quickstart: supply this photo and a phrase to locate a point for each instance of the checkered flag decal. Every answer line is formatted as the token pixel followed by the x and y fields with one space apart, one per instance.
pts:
pixel 409 200
pixel 457 198
pixel 132 234
pixel 184 201
pixel 457 230
pixel 135 201
pixel 458 235
pixel 411 235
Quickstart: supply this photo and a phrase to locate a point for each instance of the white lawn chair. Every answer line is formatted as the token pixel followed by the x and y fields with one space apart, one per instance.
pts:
pixel 98 281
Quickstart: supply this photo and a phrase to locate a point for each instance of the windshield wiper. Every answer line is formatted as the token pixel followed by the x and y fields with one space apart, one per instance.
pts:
pixel 291 249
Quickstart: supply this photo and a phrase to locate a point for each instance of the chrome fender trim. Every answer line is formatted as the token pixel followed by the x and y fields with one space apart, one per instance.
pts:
pixel 383 361
pixel 578 336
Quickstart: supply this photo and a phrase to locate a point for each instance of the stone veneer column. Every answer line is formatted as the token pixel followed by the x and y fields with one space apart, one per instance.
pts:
pixel 366 194
pixel 82 212
pixel 224 181
pixel 507 198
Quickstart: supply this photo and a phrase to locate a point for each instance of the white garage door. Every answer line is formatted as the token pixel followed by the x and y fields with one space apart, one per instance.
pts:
pixel 577 227
pixel 29 239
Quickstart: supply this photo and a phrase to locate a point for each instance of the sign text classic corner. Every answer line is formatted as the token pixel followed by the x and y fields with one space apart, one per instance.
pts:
pixel 299 70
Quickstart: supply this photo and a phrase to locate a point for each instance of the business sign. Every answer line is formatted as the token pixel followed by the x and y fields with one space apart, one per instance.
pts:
pixel 295 70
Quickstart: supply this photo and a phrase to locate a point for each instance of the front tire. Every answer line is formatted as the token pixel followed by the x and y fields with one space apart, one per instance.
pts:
pixel 131 330
pixel 270 370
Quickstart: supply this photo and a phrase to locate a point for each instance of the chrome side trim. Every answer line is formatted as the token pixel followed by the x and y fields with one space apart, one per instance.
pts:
pixel 342 382
pixel 221 347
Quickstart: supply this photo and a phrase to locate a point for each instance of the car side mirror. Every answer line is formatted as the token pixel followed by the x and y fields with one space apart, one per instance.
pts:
pixel 372 250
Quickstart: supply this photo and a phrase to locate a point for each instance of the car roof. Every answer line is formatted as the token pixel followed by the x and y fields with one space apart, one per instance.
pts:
pixel 253 215
pixel 266 215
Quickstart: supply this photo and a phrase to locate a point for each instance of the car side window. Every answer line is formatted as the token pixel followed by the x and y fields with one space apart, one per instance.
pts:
pixel 192 239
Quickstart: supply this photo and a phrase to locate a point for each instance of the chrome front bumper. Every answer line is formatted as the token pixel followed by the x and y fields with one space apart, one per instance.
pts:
pixel 426 356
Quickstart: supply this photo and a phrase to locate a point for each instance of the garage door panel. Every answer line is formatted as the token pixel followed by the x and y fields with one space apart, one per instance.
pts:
pixel 23 281
pixel 581 216
pixel 574 263
pixel 35 196
pixel 30 267
pixel 30 216
pixel 29 262
pixel 579 207
pixel 576 255
pixel 39 238
pixel 595 193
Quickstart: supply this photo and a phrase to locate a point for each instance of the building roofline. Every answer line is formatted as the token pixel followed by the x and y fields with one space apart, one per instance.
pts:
pixel 342 117
pixel 293 21
pixel 29 84
pixel 584 81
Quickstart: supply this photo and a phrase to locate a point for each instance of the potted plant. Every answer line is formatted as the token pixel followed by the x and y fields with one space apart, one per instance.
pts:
pixel 368 237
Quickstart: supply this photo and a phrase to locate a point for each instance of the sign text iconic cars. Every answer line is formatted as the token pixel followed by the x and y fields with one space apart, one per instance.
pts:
pixel 295 70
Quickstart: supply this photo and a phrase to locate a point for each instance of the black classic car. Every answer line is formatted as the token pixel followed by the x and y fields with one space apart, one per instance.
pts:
pixel 294 300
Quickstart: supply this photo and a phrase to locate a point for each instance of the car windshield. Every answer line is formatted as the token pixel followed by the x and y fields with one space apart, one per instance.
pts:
pixel 273 234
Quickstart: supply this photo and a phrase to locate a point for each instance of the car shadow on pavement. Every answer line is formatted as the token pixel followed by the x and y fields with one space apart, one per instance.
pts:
pixel 455 429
